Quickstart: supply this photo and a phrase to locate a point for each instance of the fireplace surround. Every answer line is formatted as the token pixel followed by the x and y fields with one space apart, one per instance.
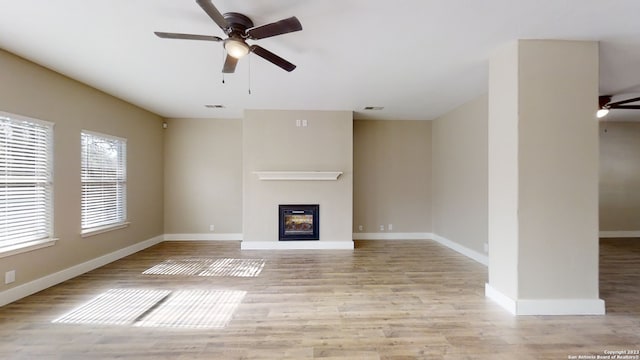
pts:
pixel 299 222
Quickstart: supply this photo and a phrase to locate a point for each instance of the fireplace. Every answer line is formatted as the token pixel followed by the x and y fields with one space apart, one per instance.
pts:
pixel 299 222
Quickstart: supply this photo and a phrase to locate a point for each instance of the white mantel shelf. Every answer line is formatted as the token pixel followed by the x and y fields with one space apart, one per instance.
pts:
pixel 299 175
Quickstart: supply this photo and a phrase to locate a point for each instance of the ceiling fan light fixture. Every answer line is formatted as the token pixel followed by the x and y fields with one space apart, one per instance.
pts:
pixel 238 27
pixel 236 48
pixel 602 113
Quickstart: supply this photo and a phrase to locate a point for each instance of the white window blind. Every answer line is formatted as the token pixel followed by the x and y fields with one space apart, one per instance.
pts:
pixel 104 181
pixel 26 196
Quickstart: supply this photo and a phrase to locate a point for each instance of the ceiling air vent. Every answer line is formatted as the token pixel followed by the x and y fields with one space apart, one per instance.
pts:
pixel 214 106
pixel 373 107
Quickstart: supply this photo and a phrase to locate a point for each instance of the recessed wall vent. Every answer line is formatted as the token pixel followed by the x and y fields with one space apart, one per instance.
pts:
pixel 214 106
pixel 373 108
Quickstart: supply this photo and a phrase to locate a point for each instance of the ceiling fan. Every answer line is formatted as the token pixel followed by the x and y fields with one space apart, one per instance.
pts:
pixel 238 29
pixel 606 104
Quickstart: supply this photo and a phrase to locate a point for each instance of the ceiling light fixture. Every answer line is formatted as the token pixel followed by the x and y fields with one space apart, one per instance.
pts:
pixel 236 48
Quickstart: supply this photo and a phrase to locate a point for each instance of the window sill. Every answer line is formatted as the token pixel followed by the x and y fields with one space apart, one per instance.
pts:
pixel 26 247
pixel 104 229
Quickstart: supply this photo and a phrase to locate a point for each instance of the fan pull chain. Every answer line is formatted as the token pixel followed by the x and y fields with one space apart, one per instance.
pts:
pixel 223 58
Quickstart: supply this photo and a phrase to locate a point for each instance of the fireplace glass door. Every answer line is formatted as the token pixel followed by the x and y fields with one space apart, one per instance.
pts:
pixel 299 222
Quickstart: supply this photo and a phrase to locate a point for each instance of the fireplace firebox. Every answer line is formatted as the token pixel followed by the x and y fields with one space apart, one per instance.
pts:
pixel 299 222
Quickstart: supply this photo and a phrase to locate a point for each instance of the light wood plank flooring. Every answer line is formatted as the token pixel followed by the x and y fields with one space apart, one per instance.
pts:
pixel 384 300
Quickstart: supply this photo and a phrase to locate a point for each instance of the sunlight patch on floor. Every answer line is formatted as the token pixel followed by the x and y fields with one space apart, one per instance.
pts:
pixel 208 267
pixel 115 307
pixel 201 309
pixel 234 267
pixel 179 267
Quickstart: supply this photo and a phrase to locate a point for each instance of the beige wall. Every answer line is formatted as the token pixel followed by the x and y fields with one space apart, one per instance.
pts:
pixel 503 171
pixel 30 90
pixel 543 171
pixel 203 176
pixel 558 173
pixel 392 176
pixel 460 175
pixel 272 142
pixel 620 176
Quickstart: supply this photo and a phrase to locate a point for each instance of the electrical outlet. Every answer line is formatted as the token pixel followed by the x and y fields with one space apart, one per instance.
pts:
pixel 9 277
pixel 390 227
pixel 212 227
pixel 360 227
pixel 381 227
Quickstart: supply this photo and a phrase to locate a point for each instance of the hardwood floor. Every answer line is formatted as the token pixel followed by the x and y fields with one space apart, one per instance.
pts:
pixel 384 300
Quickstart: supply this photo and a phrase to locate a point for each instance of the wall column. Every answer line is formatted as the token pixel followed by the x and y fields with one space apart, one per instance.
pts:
pixel 543 178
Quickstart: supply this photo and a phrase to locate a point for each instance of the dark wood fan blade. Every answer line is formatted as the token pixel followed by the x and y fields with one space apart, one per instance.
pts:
pixel 603 100
pixel 622 102
pixel 277 28
pixel 166 35
pixel 229 65
pixel 273 58
pixel 213 13
pixel 634 107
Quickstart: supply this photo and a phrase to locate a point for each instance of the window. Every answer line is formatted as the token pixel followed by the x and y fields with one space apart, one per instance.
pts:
pixel 26 186
pixel 104 182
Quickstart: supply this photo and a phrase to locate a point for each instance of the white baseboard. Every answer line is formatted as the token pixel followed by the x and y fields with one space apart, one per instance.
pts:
pixel 296 245
pixel 546 306
pixel 560 307
pixel 481 258
pixel 501 299
pixel 32 287
pixel 620 234
pixel 392 236
pixel 203 237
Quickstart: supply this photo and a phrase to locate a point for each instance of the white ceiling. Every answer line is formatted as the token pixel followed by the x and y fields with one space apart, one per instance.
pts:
pixel 417 58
